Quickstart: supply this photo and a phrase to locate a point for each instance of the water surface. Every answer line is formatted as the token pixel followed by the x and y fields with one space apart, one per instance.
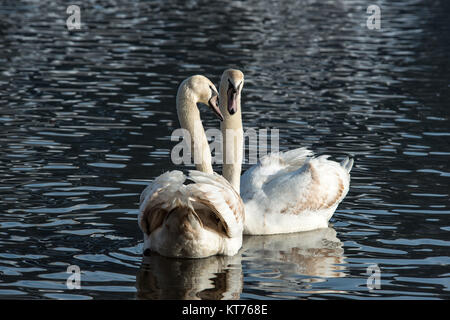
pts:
pixel 86 118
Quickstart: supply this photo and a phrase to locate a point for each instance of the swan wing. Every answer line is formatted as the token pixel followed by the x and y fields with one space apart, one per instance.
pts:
pixel 211 200
pixel 217 203
pixel 159 198
pixel 320 184
pixel 270 167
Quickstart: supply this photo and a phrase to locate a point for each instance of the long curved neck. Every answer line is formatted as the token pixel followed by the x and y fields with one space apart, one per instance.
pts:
pixel 189 117
pixel 233 139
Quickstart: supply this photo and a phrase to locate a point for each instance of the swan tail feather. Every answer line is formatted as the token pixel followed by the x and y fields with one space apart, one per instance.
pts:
pixel 347 164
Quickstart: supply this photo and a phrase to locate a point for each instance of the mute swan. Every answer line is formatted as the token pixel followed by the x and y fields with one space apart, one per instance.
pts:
pixel 194 220
pixel 287 191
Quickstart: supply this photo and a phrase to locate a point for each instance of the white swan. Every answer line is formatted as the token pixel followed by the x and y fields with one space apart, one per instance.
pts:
pixel 194 220
pixel 286 191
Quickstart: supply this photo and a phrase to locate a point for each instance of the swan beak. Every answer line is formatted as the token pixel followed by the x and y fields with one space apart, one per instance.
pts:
pixel 232 95
pixel 214 105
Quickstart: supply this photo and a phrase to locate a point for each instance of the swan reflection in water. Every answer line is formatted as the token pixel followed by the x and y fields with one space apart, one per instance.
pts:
pixel 213 278
pixel 315 254
pixel 298 260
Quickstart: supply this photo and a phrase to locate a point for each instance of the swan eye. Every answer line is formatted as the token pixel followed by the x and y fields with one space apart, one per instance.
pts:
pixel 230 85
pixel 213 92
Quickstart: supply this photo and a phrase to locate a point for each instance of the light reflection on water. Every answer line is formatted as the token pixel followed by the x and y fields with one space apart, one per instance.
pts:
pixel 86 119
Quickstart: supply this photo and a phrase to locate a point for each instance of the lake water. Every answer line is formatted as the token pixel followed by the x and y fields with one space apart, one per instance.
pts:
pixel 86 118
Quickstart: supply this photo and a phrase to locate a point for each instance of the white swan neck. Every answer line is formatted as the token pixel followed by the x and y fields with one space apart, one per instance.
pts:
pixel 232 156
pixel 189 117
pixel 233 139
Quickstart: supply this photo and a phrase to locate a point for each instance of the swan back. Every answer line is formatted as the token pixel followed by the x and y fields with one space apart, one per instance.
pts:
pixel 270 167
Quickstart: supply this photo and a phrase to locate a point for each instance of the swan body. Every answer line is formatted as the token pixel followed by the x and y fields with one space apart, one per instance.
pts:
pixel 194 220
pixel 286 191
pixel 200 219
pixel 282 195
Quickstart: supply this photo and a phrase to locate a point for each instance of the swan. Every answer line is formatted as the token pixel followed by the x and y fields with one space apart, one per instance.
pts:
pixel 199 219
pixel 284 192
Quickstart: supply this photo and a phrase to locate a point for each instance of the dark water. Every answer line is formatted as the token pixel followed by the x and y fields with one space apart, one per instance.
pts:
pixel 86 118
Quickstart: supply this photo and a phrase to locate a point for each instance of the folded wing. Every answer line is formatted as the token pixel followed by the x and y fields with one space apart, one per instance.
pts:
pixel 210 200
pixel 270 167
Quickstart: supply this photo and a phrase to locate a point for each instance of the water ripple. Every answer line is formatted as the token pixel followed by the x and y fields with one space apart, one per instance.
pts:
pixel 86 119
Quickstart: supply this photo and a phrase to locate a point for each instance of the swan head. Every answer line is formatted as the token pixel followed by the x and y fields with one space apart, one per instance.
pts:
pixel 205 92
pixel 231 85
